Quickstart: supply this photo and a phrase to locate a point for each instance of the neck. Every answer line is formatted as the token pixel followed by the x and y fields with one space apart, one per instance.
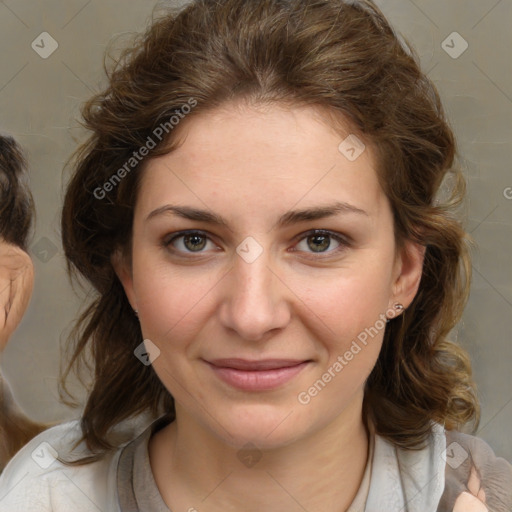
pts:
pixel 195 469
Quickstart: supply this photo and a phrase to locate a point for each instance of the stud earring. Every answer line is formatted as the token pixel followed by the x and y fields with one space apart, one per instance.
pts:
pixel 136 313
pixel 398 308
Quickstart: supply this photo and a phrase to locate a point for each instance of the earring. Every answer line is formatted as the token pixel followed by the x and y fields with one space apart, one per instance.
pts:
pixel 136 313
pixel 397 307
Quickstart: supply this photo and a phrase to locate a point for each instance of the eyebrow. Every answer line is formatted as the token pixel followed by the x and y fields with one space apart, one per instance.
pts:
pixel 287 219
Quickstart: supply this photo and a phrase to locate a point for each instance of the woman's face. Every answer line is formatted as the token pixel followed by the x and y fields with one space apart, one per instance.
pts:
pixel 266 331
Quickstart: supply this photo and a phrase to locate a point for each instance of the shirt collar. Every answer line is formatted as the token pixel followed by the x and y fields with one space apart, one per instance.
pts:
pixel 405 480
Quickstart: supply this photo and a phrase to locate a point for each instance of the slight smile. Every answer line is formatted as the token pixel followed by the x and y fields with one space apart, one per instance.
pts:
pixel 261 375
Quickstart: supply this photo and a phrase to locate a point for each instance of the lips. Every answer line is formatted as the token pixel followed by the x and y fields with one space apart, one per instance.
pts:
pixel 247 365
pixel 262 375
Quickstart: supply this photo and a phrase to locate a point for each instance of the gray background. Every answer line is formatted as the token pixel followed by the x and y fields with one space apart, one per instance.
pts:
pixel 39 105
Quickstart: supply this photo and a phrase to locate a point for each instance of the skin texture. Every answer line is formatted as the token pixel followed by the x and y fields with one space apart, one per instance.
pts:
pixel 16 284
pixel 251 165
pixel 469 503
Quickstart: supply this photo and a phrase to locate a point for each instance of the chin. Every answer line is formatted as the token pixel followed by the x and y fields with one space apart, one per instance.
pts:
pixel 263 426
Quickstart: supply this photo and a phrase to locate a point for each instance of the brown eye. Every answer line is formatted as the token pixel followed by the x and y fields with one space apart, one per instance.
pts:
pixel 194 242
pixel 191 242
pixel 321 242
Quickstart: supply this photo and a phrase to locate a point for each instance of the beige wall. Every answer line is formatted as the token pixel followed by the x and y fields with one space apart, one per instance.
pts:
pixel 39 104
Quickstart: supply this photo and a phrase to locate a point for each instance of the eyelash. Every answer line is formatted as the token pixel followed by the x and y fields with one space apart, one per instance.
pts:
pixel 343 241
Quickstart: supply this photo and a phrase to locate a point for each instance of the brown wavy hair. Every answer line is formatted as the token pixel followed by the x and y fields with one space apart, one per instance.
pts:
pixel 336 55
pixel 16 202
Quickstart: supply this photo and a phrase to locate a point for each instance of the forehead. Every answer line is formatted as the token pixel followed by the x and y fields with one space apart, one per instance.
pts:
pixel 264 158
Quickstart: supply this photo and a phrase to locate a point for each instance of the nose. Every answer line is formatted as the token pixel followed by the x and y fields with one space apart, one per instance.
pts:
pixel 255 301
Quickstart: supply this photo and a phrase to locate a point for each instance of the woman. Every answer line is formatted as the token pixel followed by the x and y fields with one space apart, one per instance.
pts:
pixel 257 209
pixel 16 283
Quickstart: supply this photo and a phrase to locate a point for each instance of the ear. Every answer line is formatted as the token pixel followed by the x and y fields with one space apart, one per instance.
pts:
pixel 407 273
pixel 123 269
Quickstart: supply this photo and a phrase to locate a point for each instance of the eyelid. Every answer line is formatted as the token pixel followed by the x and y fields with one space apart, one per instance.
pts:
pixel 177 234
pixel 334 234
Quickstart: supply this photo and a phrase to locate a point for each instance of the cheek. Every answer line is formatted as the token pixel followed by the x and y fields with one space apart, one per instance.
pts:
pixel 170 302
pixel 346 315
pixel 347 301
pixel 348 340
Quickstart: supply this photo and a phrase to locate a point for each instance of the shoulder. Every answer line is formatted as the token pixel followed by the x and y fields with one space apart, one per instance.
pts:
pixel 35 480
pixel 473 472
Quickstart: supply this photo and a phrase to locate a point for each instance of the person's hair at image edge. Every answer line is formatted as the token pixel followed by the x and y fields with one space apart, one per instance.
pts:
pixel 16 215
pixel 16 203
pixel 344 58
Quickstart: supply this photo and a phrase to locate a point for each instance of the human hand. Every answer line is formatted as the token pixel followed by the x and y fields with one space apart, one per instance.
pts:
pixel 472 500
pixel 482 482
pixel 16 284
